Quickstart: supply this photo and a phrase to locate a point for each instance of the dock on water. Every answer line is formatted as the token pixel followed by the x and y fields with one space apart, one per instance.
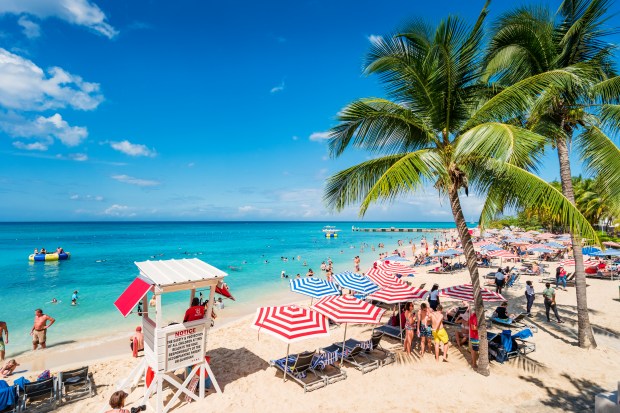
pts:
pixel 394 229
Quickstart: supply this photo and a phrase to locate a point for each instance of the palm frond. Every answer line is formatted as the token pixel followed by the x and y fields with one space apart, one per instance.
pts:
pixel 379 125
pixel 601 156
pixel 384 178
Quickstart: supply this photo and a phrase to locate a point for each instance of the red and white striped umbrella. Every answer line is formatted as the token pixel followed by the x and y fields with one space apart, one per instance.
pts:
pixel 348 309
pixel 397 268
pixel 382 276
pixel 545 235
pixel 465 292
pixel 502 254
pixel 290 323
pixel 586 263
pixel 397 293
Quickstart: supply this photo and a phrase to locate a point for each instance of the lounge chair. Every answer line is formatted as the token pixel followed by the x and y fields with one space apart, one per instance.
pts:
pixel 299 369
pixel 9 398
pixel 39 396
pixel 355 357
pixel 570 279
pixel 392 331
pixel 373 349
pixel 325 365
pixel 75 384
pixel 516 322
pixel 514 345
pixel 451 321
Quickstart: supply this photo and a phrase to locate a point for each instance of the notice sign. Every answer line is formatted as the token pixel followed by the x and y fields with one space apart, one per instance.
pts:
pixel 184 347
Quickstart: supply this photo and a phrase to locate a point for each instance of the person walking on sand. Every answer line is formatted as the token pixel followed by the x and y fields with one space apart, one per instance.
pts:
pixel 529 296
pixel 439 333
pixel 500 279
pixel 39 329
pixel 549 295
pixel 4 331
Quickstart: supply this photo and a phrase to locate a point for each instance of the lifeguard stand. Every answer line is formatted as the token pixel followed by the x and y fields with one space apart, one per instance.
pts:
pixel 168 348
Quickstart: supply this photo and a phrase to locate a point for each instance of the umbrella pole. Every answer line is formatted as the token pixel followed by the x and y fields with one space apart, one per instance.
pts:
pixel 286 361
pixel 400 323
pixel 343 340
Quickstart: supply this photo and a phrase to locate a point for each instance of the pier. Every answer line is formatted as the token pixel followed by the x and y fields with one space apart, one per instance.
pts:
pixel 394 229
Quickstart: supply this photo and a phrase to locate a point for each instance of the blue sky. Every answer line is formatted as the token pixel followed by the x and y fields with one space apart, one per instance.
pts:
pixel 190 110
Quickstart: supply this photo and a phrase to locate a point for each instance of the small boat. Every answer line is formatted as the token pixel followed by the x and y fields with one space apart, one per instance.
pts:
pixel 54 256
pixel 330 231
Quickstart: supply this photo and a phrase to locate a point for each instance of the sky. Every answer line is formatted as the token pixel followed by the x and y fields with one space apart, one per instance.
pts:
pixel 192 110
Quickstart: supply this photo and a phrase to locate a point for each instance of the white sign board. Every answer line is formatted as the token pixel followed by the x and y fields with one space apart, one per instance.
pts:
pixel 185 347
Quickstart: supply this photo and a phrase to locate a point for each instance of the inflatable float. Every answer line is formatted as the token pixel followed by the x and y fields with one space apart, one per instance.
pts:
pixel 50 257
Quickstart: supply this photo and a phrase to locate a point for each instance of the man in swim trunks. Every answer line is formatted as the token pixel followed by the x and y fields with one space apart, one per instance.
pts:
pixel 39 328
pixel 4 330
pixel 439 333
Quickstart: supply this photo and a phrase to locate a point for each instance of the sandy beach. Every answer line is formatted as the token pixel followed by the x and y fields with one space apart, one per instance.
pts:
pixel 558 376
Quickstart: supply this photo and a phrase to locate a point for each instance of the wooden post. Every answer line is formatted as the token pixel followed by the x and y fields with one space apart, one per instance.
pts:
pixel 158 316
pixel 192 294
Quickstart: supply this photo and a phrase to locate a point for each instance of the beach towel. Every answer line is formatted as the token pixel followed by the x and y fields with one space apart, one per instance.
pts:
pixel 366 345
pixel 507 340
pixel 322 360
pixel 44 376
pixel 7 395
pixel 21 382
pixel 523 334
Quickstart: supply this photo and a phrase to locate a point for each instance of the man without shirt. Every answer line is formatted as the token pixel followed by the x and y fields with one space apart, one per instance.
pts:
pixel 439 333
pixel 39 329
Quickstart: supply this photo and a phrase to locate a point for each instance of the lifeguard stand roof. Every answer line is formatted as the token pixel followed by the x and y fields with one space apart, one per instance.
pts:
pixel 167 276
pixel 165 273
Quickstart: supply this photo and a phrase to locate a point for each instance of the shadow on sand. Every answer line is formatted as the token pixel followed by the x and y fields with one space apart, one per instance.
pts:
pixel 578 399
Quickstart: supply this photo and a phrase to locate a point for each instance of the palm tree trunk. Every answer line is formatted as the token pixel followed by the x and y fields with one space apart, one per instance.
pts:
pixel 470 256
pixel 584 329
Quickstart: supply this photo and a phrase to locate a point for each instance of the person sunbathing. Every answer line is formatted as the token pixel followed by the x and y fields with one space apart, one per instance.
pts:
pixel 501 312
pixel 8 368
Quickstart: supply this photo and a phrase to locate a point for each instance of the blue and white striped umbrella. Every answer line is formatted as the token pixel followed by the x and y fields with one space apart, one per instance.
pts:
pixel 356 282
pixel 555 245
pixel 542 250
pixel 395 258
pixel 314 287
pixel 491 247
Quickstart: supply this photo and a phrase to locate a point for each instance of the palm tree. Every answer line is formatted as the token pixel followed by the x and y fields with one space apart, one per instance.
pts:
pixel 418 136
pixel 555 76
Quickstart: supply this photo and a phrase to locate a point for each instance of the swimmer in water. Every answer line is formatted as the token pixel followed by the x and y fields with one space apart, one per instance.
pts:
pixel 54 301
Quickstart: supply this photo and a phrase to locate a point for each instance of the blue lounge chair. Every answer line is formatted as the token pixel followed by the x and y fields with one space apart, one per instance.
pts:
pixel 325 365
pixel 372 348
pixel 513 345
pixel 299 369
pixel 354 356
pixel 516 322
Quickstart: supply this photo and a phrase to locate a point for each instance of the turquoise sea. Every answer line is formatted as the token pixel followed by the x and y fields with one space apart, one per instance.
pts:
pixel 103 256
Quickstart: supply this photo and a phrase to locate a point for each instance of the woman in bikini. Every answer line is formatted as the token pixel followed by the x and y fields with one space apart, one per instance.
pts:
pixel 425 331
pixel 409 326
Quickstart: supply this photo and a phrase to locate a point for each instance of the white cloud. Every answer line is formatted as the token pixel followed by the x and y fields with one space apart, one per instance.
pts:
pixel 133 149
pixel 76 197
pixel 249 209
pixel 278 88
pixel 79 12
pixel 50 128
pixel 25 86
pixel 135 181
pixel 79 157
pixel 374 39
pixel 319 136
pixel 31 29
pixel 35 146
pixel 119 211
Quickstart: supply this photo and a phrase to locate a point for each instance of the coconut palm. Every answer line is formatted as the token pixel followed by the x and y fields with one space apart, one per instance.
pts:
pixel 418 137
pixel 555 76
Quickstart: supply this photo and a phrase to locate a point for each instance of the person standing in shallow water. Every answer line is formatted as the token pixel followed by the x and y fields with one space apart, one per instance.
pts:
pixel 4 331
pixel 39 329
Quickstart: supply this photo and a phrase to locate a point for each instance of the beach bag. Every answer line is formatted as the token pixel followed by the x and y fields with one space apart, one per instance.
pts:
pixel 44 376
pixel 394 320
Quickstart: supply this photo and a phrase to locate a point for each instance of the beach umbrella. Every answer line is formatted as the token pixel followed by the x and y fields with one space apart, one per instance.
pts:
pixel 611 244
pixel 465 292
pixel 610 251
pixel 348 309
pixel 541 250
pixel 355 282
pixel 223 290
pixel 545 235
pixel 290 324
pixel 586 263
pixel 397 268
pixel 441 254
pixel 397 293
pixel 555 245
pixel 589 250
pixel 529 247
pixel 482 244
pixel 313 287
pixel 381 276
pixel 502 254
pixel 491 247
